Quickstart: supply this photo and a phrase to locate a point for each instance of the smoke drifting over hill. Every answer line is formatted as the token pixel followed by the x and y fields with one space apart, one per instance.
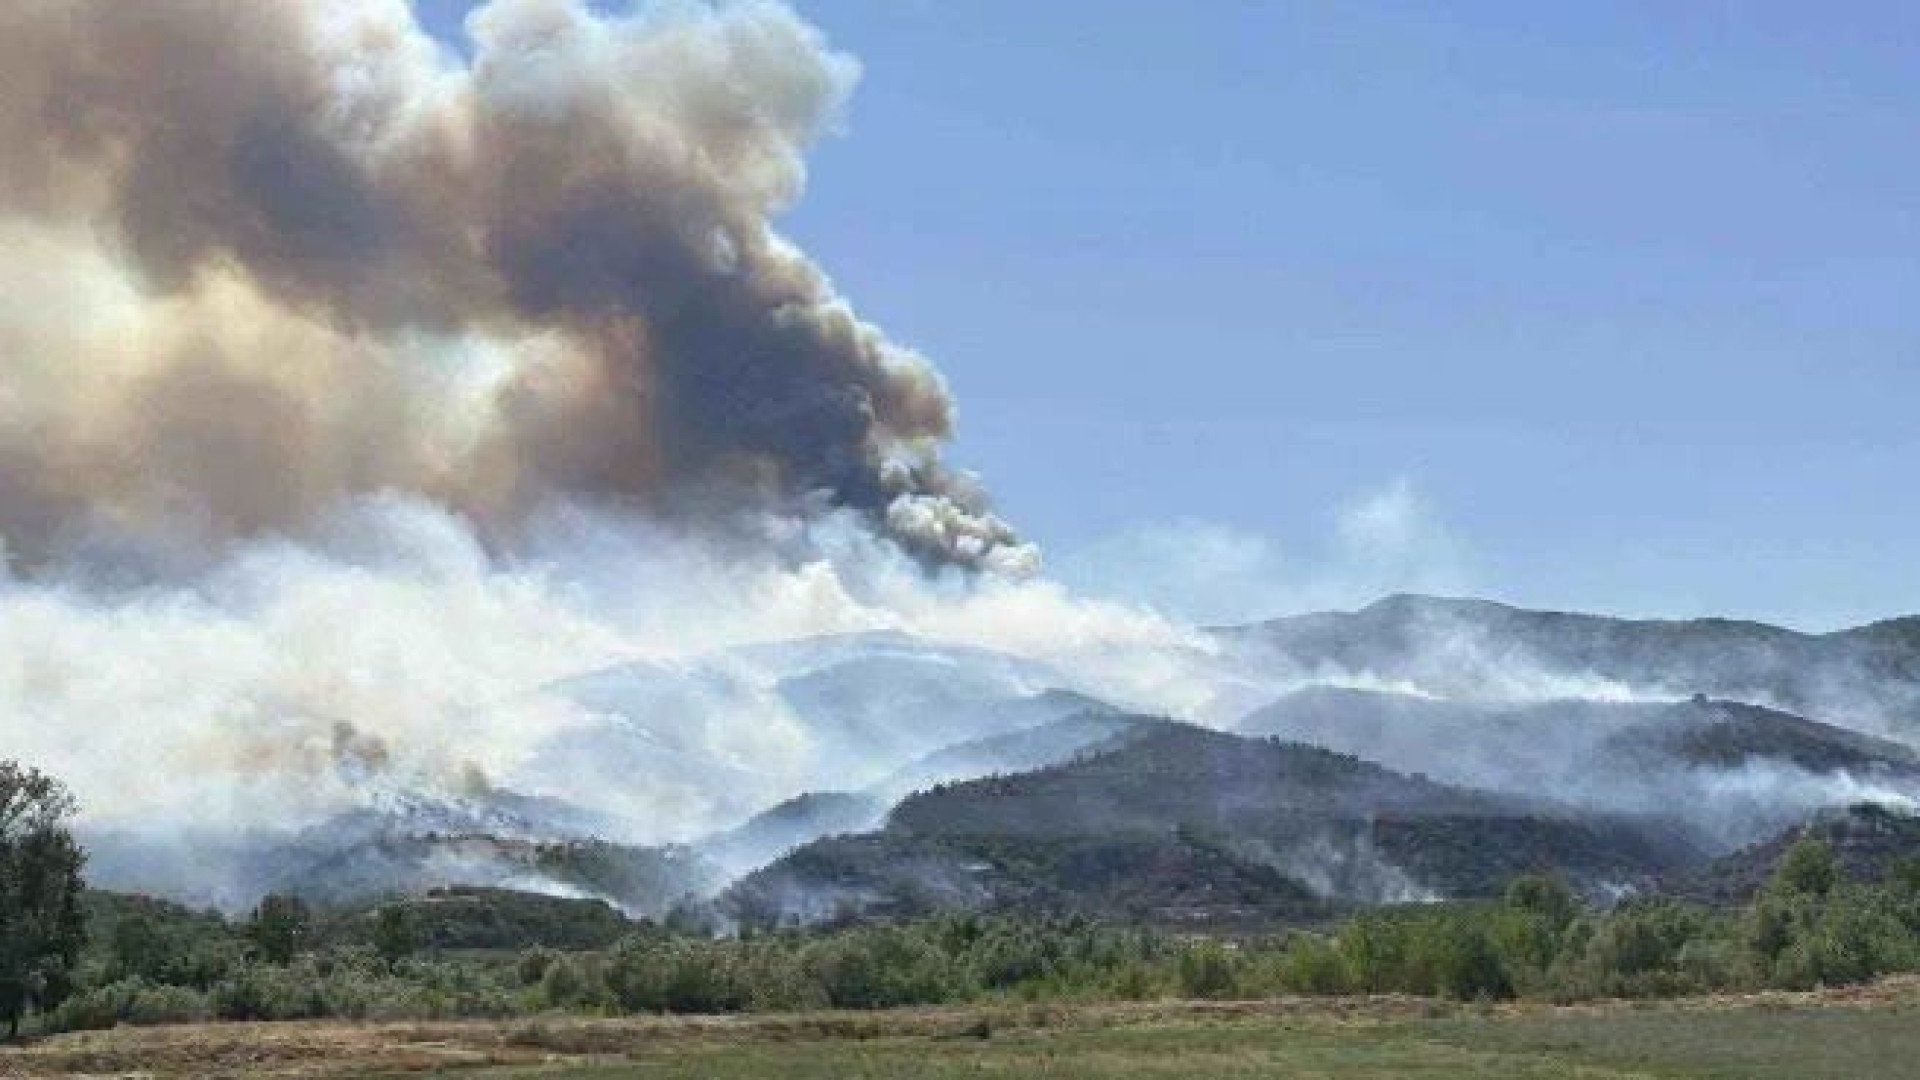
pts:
pixel 262 258
pixel 391 651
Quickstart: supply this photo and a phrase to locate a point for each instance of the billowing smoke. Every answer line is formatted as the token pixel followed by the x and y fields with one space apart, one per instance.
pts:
pixel 390 650
pixel 259 259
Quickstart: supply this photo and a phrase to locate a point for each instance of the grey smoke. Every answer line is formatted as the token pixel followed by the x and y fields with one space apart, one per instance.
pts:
pixel 263 258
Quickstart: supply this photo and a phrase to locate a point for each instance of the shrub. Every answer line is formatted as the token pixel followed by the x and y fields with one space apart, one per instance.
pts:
pixel 129 1001
pixel 1207 970
pixel 882 968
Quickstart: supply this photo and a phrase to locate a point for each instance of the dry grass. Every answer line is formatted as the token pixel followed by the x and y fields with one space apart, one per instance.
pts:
pixel 330 1049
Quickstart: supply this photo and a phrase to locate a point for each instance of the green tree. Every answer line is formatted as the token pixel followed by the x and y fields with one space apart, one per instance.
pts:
pixel 565 984
pixel 41 924
pixel 1206 970
pixel 139 949
pixel 1545 895
pixel 1807 869
pixel 279 927
pixel 396 933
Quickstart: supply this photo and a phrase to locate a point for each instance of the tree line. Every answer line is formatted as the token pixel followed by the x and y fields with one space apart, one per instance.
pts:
pixel 82 961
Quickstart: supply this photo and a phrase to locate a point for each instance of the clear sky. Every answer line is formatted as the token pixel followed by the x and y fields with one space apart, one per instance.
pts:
pixel 1608 306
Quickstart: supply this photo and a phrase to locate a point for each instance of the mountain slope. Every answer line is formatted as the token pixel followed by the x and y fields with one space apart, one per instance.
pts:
pixel 800 820
pixel 816 815
pixel 408 843
pixel 1092 724
pixel 1736 772
pixel 1866 678
pixel 1181 823
pixel 1868 843
pixel 707 743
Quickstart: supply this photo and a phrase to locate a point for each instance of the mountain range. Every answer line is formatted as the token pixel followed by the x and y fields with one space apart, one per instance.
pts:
pixel 1420 747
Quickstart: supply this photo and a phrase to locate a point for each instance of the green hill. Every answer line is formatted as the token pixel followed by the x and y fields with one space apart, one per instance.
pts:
pixel 1184 824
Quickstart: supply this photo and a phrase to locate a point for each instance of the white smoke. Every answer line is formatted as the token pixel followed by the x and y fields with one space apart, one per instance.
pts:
pixel 267 685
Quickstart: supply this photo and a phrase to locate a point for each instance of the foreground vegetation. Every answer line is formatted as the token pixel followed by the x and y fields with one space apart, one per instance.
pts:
pixel 452 955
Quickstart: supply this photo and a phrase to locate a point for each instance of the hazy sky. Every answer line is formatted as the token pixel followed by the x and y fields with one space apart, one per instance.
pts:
pixel 1599 306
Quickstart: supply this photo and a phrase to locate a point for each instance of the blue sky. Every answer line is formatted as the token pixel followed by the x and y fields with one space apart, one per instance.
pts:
pixel 1597 306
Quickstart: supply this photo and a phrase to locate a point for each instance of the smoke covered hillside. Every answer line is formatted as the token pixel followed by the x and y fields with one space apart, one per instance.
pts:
pixel 401 843
pixel 686 752
pixel 1869 843
pixel 738 730
pixel 679 775
pixel 1735 772
pixel 1866 678
pixel 1183 824
pixel 1621 790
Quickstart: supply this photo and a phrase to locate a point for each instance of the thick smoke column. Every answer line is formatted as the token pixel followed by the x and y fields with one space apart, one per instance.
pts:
pixel 260 258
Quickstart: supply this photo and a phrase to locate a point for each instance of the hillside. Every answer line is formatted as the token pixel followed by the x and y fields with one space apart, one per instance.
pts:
pixel 1174 877
pixel 1473 738
pixel 1728 735
pixel 1094 724
pixel 721 737
pixel 804 818
pixel 641 880
pixel 814 815
pixel 1181 823
pixel 1736 772
pixel 1866 678
pixel 1868 843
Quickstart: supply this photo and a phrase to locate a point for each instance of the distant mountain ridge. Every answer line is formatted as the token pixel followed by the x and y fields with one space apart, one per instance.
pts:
pixel 1867 677
pixel 1735 772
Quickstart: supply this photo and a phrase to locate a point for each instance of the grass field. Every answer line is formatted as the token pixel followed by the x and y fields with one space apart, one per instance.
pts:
pixel 1859 1035
pixel 1829 1044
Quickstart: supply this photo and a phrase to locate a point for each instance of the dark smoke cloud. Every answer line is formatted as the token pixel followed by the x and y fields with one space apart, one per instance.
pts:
pixel 263 257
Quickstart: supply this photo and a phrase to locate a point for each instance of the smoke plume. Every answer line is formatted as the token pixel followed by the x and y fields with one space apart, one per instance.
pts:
pixel 260 259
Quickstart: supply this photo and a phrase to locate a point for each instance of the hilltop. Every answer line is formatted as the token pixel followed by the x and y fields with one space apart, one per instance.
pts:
pixel 1866 677
pixel 1182 823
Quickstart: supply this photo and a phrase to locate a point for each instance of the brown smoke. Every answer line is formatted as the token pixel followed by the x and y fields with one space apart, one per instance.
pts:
pixel 259 257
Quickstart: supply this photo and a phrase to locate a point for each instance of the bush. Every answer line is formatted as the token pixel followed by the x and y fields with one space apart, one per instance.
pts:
pixel 533 964
pixel 1634 950
pixel 564 985
pixel 129 1001
pixel 1207 970
pixel 882 968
